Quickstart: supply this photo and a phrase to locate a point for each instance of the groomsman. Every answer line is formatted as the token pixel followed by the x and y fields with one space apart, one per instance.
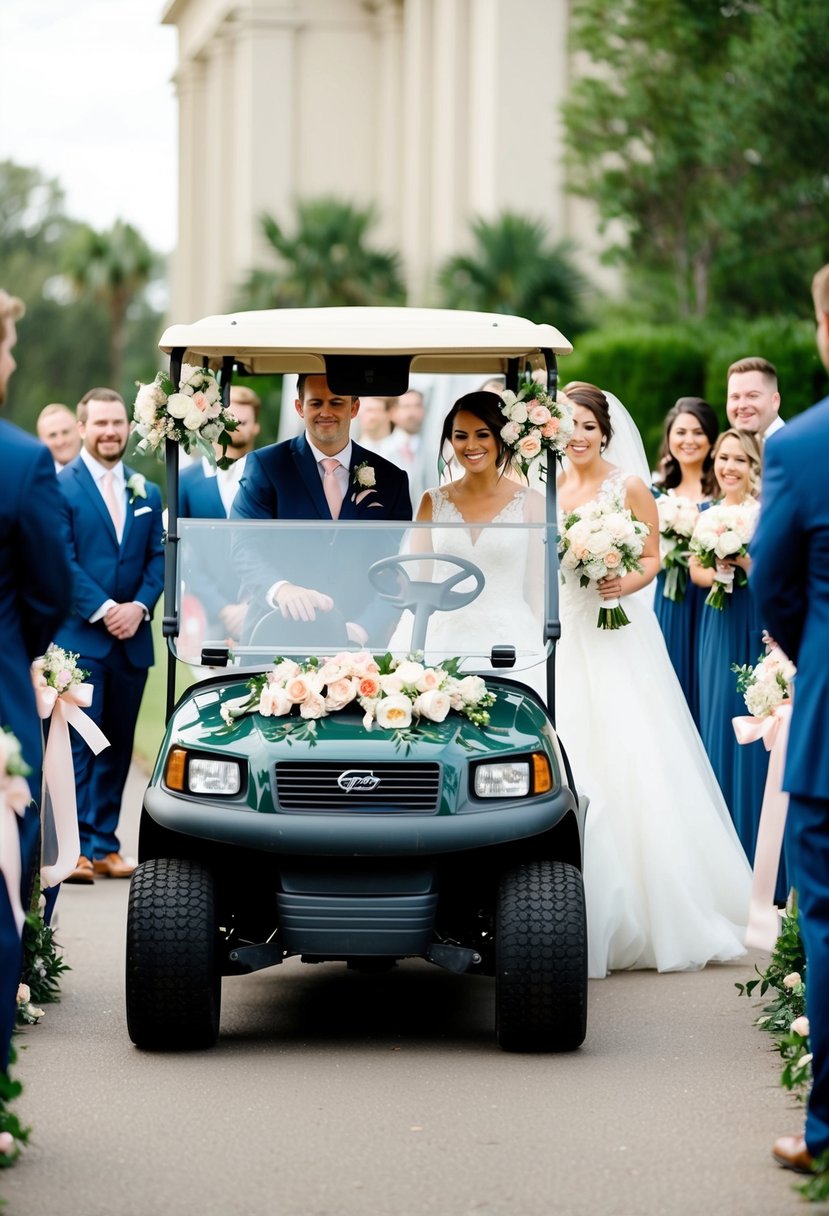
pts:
pixel 114 520
pixel 790 578
pixel 35 595
pixel 752 398
pixel 57 427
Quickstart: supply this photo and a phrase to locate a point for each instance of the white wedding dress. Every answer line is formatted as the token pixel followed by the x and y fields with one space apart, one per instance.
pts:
pixel 501 614
pixel 666 880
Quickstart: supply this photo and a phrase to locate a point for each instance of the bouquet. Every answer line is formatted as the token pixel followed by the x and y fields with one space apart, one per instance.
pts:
pixel 602 538
pixel 724 531
pixel 766 685
pixel 535 424
pixel 192 414
pixel 58 669
pixel 677 519
pixel 391 692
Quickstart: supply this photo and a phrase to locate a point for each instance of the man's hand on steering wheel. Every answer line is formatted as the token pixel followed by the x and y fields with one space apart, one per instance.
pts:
pixel 301 603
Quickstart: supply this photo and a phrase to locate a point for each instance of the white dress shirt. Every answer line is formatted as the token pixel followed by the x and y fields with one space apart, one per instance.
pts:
pixel 227 480
pixel 97 471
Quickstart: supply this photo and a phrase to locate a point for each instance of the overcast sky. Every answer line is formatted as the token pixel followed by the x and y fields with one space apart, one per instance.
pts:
pixel 86 95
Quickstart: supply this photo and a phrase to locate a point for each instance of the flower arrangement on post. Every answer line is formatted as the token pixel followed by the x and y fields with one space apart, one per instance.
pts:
pixel 393 694
pixel 677 519
pixel 192 414
pixel 535 424
pixel 598 539
pixel 15 796
pixel 724 531
pixel 766 685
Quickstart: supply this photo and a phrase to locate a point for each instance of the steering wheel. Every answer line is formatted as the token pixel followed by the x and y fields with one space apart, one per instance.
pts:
pixel 424 597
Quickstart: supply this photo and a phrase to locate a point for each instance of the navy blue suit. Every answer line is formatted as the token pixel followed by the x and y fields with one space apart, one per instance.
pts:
pixel 198 495
pixel 790 577
pixel 283 482
pixel 35 595
pixel 103 570
pixel 199 498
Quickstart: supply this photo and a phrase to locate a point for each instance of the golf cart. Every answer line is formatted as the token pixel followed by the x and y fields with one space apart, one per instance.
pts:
pixel 350 834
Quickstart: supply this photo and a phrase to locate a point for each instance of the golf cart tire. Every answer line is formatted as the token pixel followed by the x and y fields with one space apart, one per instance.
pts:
pixel 173 983
pixel 541 958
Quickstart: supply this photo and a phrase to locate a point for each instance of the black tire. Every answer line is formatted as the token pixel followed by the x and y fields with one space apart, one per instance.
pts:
pixel 174 989
pixel 541 958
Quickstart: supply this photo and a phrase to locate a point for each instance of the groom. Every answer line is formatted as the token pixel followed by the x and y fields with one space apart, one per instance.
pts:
pixel 315 476
pixel 790 579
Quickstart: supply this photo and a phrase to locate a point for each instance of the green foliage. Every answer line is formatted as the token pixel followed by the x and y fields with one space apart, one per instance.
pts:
pixel 43 963
pixel 513 269
pixel 647 367
pixel 9 1122
pixel 700 130
pixel 326 262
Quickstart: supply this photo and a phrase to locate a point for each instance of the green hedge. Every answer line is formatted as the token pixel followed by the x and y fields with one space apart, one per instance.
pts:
pixel 649 367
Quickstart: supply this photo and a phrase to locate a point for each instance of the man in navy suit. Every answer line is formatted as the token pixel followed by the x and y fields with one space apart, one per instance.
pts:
pixel 314 476
pixel 35 595
pixel 206 492
pixel 790 578
pixel 115 528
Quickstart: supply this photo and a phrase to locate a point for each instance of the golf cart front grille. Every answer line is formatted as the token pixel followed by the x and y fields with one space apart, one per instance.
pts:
pixel 370 787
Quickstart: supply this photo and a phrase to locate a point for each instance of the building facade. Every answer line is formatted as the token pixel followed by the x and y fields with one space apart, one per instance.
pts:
pixel 435 111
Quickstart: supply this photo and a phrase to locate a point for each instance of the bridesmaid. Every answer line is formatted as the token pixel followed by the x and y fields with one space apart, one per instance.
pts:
pixel 686 470
pixel 734 635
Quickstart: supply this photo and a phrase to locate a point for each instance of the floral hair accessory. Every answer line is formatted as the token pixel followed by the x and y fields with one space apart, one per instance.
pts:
pixel 192 414
pixel 535 424
pixel 137 486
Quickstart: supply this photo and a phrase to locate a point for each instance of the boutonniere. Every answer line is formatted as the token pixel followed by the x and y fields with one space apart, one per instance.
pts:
pixel 364 480
pixel 137 486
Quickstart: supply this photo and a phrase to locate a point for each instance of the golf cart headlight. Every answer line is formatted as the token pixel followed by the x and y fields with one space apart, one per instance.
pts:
pixel 213 776
pixel 509 779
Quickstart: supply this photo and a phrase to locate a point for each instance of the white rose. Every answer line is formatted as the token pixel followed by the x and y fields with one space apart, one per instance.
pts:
pixel 434 705
pixel 189 371
pixel 599 542
pixel 518 412
pixel 340 693
pixel 366 477
pixel 431 678
pixel 274 701
pixel 791 980
pixel 471 688
pixel 394 712
pixel 391 683
pixel 146 403
pixel 313 706
pixel 409 672
pixel 511 433
pixel 619 525
pixel 539 415
pixel 179 404
pixel 800 1026
pixel 728 544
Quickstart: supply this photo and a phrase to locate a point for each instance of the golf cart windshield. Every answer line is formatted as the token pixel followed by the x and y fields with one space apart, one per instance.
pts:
pixel 449 590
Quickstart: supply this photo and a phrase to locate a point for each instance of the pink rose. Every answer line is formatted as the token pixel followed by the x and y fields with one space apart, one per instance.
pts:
pixel 369 685
pixel 429 679
pixel 313 706
pixel 340 693
pixel 298 689
pixel 539 415
pixel 529 447
pixel 551 428
pixel 434 705
pixel 274 701
pixel 611 559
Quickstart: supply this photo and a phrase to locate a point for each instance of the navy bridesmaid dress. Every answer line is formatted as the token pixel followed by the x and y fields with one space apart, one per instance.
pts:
pixel 734 635
pixel 680 622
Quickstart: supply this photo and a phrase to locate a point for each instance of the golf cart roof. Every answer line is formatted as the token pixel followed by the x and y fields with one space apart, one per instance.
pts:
pixel 300 339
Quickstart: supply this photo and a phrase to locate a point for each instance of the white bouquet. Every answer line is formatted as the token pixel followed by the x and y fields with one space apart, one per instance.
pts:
pixel 601 539
pixel 192 414
pixel 677 519
pixel 535 424
pixel 767 684
pixel 724 531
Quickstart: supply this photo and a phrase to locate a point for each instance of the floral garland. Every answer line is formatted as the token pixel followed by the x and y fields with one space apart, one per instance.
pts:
pixel 192 414
pixel 393 693
pixel 535 424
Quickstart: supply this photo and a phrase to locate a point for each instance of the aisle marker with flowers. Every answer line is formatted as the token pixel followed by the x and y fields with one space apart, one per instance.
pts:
pixel 724 530
pixel 678 517
pixel 15 796
pixel 598 539
pixel 535 424
pixel 192 414
pixel 393 694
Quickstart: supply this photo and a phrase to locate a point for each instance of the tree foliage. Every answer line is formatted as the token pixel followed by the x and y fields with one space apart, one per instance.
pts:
pixel 702 129
pixel 514 269
pixel 326 261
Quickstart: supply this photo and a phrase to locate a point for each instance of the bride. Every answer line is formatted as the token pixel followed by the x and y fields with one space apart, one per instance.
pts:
pixel 509 558
pixel 666 880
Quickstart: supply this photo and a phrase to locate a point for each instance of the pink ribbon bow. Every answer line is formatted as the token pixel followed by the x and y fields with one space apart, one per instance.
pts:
pixel 65 710
pixel 14 798
pixel 763 919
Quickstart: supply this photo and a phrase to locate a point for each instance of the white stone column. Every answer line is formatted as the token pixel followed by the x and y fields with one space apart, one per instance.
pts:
pixel 187 291
pixel 389 104
pixel 415 138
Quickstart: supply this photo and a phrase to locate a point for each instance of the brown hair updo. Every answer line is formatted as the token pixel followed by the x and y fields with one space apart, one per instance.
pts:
pixel 593 399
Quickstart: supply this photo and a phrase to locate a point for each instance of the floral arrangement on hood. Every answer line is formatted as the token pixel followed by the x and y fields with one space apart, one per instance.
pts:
pixel 191 414
pixel 394 694
pixel 535 424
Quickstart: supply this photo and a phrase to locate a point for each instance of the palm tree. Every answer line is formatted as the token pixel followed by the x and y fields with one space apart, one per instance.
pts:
pixel 326 262
pixel 512 269
pixel 113 267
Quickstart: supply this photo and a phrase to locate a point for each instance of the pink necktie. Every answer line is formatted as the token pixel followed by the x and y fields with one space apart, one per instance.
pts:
pixel 111 499
pixel 331 485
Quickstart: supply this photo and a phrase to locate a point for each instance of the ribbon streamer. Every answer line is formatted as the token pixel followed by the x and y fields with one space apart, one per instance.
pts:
pixel 14 798
pixel 65 710
pixel 764 920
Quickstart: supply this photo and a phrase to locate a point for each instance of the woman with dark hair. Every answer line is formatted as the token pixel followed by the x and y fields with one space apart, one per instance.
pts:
pixel 666 881
pixel 685 481
pixel 510 606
